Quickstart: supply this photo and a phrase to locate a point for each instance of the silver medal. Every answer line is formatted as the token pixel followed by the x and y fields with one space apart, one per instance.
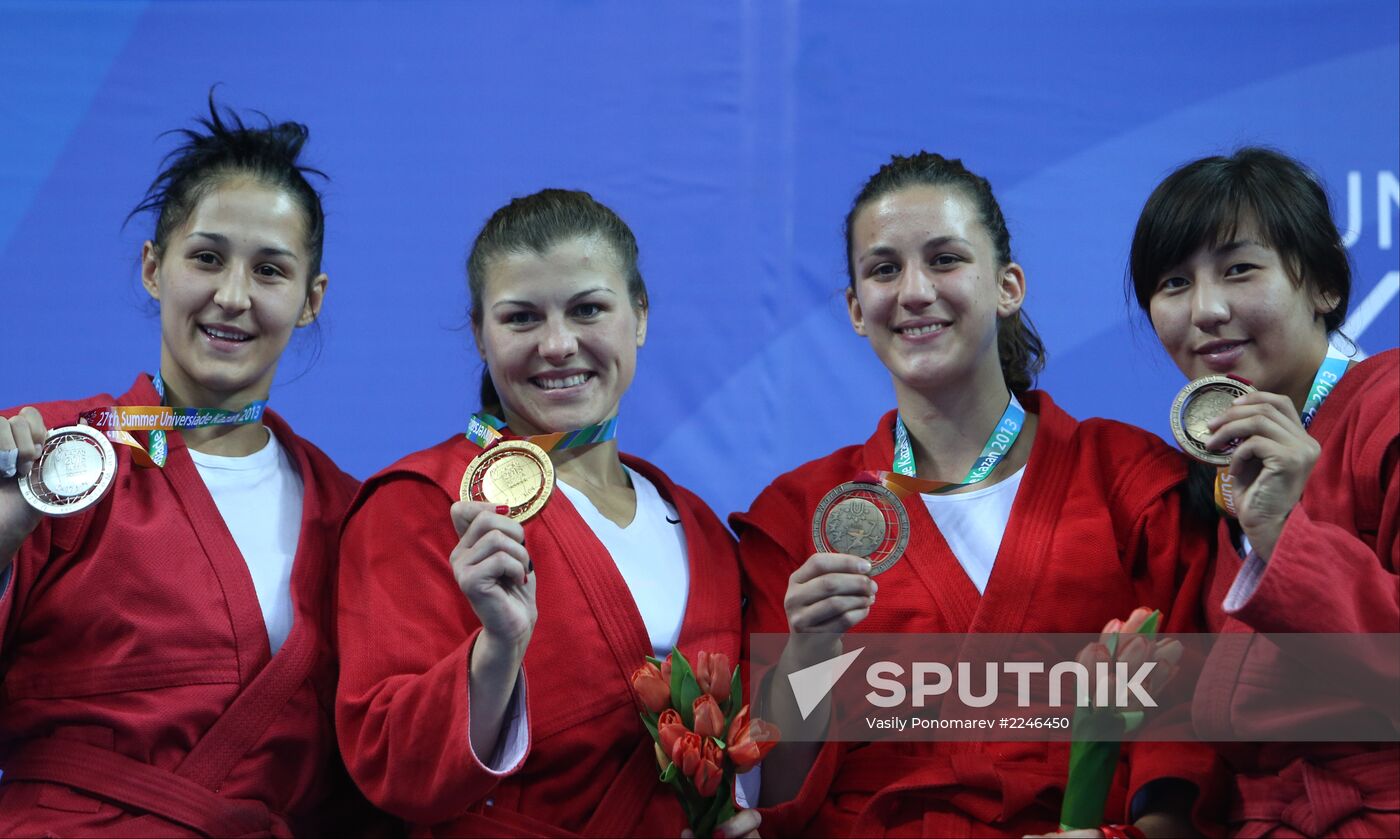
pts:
pixel 73 471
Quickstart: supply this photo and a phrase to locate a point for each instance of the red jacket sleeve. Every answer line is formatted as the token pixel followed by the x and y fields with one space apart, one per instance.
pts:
pixel 1334 568
pixel 772 544
pixel 769 551
pixel 1323 578
pixel 51 537
pixel 18 579
pixel 406 632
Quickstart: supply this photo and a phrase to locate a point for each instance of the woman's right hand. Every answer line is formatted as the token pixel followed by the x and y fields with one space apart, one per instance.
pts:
pixel 493 569
pixel 24 433
pixel 829 594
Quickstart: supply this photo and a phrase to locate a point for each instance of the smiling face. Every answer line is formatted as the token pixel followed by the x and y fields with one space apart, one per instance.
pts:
pixel 1234 308
pixel 559 335
pixel 929 289
pixel 232 285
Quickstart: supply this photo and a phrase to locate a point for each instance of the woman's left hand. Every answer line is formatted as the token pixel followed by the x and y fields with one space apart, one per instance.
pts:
pixel 742 825
pixel 1270 465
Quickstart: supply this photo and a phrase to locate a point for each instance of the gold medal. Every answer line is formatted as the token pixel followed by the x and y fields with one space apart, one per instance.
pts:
pixel 514 473
pixel 1195 406
pixel 864 520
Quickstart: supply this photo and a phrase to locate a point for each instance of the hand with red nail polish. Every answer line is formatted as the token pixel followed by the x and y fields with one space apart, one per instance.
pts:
pixel 493 568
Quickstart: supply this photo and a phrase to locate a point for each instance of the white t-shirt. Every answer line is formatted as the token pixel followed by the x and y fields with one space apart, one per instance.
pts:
pixel 650 554
pixel 973 522
pixel 259 497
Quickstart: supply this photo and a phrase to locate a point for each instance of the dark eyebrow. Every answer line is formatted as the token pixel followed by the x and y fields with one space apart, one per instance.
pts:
pixel 878 250
pixel 595 290
pixel 221 239
pixel 936 242
pixel 602 289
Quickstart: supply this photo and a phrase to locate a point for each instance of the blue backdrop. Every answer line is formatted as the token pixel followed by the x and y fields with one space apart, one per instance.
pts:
pixel 731 135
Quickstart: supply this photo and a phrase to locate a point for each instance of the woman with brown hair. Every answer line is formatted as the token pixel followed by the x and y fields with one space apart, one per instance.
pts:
pixel 1021 519
pixel 488 647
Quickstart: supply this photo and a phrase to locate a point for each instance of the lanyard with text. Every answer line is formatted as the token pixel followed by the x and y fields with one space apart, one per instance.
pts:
pixel 903 482
pixel 1333 366
pixel 484 430
pixel 117 421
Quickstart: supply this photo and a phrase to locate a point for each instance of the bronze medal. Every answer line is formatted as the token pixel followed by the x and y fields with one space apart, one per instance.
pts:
pixel 864 520
pixel 514 473
pixel 1195 406
pixel 73 471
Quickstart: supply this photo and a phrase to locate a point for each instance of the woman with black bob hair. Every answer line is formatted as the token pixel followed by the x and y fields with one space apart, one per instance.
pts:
pixel 168 665
pixel 1237 262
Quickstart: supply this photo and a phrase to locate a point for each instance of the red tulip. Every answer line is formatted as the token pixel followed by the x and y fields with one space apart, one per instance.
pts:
pixel 686 752
pixel 1137 619
pixel 666 668
pixel 1128 627
pixel 738 726
pixel 713 674
pixel 669 729
pixel 709 719
pixel 749 740
pixel 709 771
pixel 652 688
pixel 711 752
pixel 1135 650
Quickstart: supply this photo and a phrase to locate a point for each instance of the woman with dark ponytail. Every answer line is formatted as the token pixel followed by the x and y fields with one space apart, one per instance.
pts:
pixel 1058 526
pixel 166 606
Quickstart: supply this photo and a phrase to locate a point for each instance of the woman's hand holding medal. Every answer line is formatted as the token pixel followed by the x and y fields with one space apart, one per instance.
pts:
pixel 826 596
pixel 829 594
pixel 493 570
pixel 1270 464
pixel 21 438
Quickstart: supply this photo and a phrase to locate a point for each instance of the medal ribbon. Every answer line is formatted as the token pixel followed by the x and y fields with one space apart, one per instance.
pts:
pixel 1329 373
pixel 1334 365
pixel 902 480
pixel 484 430
pixel 119 420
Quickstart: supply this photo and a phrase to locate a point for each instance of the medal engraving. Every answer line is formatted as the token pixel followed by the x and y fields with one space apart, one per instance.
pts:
pixel 855 526
pixel 73 471
pixel 514 473
pixel 1195 406
pixel 864 520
